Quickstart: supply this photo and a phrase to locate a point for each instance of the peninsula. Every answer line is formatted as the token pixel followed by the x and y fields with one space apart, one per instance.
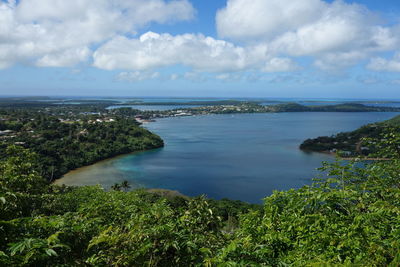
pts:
pixel 354 143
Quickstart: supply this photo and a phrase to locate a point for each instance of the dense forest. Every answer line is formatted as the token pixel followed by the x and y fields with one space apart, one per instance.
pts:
pixel 354 143
pixel 350 216
pixel 68 142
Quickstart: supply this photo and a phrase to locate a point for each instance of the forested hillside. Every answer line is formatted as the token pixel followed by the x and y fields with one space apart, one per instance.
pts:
pixel 68 141
pixel 355 143
pixel 349 218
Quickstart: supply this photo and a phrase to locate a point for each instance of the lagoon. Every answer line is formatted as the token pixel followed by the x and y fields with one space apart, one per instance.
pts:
pixel 241 156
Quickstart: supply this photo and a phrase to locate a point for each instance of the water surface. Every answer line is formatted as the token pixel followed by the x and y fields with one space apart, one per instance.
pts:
pixel 241 156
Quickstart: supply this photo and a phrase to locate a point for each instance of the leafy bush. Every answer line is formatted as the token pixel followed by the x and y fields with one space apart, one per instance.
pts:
pixel 351 217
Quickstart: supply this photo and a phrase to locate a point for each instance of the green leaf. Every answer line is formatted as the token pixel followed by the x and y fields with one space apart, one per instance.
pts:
pixel 3 255
pixel 51 252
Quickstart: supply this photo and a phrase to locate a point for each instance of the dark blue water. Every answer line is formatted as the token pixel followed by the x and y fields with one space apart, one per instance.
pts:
pixel 242 156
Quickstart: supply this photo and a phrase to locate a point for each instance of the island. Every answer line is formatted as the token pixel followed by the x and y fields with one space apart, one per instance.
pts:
pixel 247 107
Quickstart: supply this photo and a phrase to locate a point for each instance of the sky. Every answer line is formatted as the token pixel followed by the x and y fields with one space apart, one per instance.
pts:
pixel 201 48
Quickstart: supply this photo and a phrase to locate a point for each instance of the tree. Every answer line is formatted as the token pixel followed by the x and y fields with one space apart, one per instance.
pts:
pixel 125 185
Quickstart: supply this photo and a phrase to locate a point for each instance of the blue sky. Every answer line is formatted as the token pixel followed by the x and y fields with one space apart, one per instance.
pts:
pixel 220 48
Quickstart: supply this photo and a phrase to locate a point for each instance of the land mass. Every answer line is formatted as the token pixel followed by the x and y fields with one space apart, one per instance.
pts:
pixel 71 133
pixel 350 218
pixel 250 107
pixel 72 138
pixel 354 143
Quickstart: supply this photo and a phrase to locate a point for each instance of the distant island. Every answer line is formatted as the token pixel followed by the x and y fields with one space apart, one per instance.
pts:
pixel 251 107
pixel 350 144
pixel 197 102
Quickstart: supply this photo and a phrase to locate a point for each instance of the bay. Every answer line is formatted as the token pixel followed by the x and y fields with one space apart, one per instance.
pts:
pixel 241 156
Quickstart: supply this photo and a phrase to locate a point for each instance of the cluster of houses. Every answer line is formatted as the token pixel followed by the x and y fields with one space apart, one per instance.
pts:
pixel 6 134
pixel 89 121
pixel 101 120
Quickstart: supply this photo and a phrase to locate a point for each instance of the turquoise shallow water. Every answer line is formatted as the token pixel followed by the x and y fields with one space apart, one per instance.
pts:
pixel 241 156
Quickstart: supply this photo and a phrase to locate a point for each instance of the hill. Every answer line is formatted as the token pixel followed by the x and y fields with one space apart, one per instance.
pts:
pixel 350 143
pixel 349 218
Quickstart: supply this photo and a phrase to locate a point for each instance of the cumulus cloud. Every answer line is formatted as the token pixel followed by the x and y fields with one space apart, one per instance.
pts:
pixel 229 77
pixel 264 19
pixel 197 51
pixel 257 35
pixel 382 64
pixel 66 58
pixel 334 62
pixel 277 64
pixel 137 76
pixel 327 31
pixel 59 32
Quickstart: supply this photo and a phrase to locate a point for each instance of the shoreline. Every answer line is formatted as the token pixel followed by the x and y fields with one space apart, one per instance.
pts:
pixel 345 158
pixel 100 162
pixel 77 171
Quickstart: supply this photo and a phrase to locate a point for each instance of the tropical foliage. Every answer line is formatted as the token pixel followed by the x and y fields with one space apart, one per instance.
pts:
pixel 349 217
pixel 66 144
pixel 353 143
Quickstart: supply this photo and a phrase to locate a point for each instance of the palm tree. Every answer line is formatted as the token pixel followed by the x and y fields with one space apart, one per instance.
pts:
pixel 116 187
pixel 125 185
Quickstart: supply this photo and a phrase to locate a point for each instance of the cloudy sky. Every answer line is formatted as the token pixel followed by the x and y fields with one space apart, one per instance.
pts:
pixel 247 48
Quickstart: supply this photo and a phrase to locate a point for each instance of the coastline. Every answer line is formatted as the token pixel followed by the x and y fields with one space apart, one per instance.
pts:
pixel 103 162
pixel 345 158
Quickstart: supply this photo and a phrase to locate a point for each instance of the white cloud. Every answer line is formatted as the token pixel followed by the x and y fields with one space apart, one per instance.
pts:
pixel 264 19
pixel 154 50
pixel 260 36
pixel 194 76
pixel 66 58
pixel 382 64
pixel 329 32
pixel 137 76
pixel 174 77
pixel 46 32
pixel 334 62
pixel 229 77
pixel 277 64
pixel 201 53
pixel 133 13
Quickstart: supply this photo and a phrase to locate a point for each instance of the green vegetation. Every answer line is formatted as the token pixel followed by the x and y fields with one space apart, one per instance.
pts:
pixel 349 107
pixel 77 108
pixel 237 107
pixel 351 217
pixel 197 102
pixel 66 142
pixel 254 107
pixel 353 143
